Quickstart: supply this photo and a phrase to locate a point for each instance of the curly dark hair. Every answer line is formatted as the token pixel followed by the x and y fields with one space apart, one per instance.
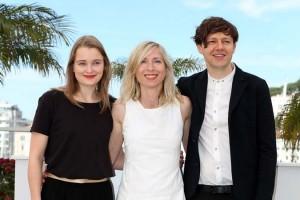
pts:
pixel 214 25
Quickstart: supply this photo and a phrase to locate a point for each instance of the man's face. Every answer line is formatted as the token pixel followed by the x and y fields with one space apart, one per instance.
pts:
pixel 218 52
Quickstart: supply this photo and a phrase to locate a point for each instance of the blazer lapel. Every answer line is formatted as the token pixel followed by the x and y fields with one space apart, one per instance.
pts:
pixel 201 90
pixel 238 86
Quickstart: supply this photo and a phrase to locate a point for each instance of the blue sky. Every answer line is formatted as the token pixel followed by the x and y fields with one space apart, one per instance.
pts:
pixel 268 45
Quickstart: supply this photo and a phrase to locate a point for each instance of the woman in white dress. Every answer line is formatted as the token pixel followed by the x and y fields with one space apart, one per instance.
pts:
pixel 152 119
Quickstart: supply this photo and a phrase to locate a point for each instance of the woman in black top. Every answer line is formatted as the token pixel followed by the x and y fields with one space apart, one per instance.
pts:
pixel 71 131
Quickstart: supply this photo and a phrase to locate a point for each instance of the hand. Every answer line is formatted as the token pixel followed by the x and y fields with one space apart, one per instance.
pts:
pixel 44 176
pixel 181 159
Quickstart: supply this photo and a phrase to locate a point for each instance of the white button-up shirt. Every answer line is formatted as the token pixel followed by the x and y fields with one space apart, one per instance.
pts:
pixel 213 143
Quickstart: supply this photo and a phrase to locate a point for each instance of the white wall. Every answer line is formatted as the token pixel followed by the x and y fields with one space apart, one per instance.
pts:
pixel 287 182
pixel 21 181
pixel 286 186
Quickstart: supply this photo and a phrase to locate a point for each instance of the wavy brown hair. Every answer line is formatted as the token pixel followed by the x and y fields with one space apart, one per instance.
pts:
pixel 214 25
pixel 72 87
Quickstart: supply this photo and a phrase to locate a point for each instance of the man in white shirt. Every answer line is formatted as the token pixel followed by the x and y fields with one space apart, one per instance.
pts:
pixel 231 153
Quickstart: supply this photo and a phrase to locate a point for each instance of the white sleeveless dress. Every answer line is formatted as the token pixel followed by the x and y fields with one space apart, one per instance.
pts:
pixel 152 142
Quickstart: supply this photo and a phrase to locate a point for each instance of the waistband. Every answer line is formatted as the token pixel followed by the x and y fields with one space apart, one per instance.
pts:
pixel 215 189
pixel 76 180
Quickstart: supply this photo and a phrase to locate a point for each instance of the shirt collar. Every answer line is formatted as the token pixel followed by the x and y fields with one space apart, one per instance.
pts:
pixel 227 78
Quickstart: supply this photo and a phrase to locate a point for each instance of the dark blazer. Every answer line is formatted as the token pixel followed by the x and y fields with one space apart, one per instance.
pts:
pixel 251 135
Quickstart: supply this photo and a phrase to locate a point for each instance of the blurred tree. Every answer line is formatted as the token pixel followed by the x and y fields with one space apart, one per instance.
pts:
pixel 291 88
pixel 288 123
pixel 27 35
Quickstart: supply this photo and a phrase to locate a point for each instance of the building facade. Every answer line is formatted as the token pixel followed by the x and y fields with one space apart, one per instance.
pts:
pixel 10 121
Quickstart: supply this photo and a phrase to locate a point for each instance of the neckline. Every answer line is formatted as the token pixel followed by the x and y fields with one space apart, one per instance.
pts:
pixel 88 103
pixel 141 105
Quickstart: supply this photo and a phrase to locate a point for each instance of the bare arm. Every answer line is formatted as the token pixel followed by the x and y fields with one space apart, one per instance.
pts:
pixel 186 110
pixel 38 145
pixel 119 162
pixel 116 138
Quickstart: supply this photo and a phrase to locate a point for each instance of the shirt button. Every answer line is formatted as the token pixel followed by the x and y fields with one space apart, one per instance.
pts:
pixel 216 149
pixel 218 168
pixel 215 129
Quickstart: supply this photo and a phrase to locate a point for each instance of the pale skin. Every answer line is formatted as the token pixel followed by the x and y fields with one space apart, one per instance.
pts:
pixel 88 69
pixel 150 75
pixel 218 54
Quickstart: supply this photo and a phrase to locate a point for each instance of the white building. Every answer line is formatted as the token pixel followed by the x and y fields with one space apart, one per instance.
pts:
pixel 280 100
pixel 10 120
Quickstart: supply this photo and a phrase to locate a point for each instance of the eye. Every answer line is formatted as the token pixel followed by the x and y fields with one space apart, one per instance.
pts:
pixel 98 62
pixel 211 42
pixel 157 61
pixel 143 61
pixel 81 63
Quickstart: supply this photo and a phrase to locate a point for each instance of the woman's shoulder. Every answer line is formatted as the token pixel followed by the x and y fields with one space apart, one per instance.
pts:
pixel 182 99
pixel 185 103
pixel 52 96
pixel 118 104
pixel 118 110
pixel 52 93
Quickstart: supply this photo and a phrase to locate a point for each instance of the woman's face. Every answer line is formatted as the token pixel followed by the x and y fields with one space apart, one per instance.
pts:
pixel 88 66
pixel 152 70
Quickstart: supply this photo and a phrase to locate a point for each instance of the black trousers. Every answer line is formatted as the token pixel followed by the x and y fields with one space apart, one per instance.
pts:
pixel 59 190
pixel 209 196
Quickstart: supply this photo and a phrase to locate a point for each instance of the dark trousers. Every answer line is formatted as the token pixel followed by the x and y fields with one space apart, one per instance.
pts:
pixel 59 190
pixel 209 196
pixel 208 192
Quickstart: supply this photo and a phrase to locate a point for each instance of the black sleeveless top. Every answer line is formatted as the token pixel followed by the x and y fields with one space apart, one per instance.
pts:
pixel 78 138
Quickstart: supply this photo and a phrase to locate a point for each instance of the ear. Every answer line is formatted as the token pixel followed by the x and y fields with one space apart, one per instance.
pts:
pixel 200 48
pixel 234 46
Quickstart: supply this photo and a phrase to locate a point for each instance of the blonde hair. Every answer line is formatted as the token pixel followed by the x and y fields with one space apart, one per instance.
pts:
pixel 72 87
pixel 130 88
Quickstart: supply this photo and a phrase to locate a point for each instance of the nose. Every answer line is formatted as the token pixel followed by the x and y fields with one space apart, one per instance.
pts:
pixel 219 45
pixel 89 68
pixel 150 65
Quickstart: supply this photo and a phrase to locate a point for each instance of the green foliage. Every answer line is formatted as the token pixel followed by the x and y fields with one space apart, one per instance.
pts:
pixel 182 66
pixel 118 68
pixel 27 35
pixel 288 122
pixel 291 88
pixel 275 90
pixel 7 179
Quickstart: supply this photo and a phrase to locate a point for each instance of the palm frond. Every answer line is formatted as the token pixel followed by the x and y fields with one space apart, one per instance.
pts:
pixel 181 66
pixel 289 123
pixel 118 68
pixel 28 34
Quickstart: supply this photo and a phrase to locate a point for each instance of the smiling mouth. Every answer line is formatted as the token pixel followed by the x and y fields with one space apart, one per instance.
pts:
pixel 89 76
pixel 219 55
pixel 150 76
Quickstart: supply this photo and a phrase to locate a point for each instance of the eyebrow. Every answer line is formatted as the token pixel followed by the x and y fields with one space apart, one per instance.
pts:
pixel 83 60
pixel 158 57
pixel 222 38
